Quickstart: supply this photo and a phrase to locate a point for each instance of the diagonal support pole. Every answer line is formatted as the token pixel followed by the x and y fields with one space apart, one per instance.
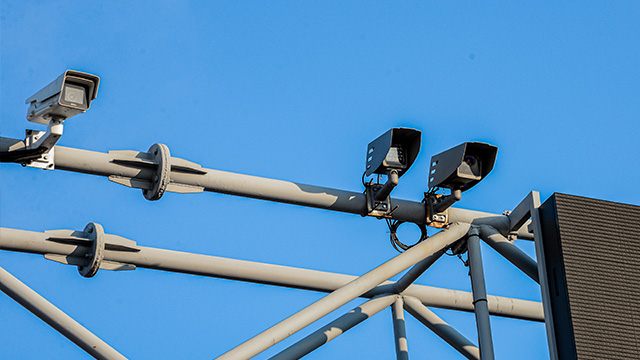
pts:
pixel 335 328
pixel 414 273
pixel 343 295
pixel 510 252
pixel 399 329
pixel 479 296
pixel 441 328
pixel 56 318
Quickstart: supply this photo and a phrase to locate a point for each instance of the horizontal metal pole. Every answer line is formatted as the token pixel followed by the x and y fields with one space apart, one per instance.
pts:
pixel 343 295
pixel 219 267
pixel 105 164
pixel 335 328
pixel 511 252
pixel 441 328
pixel 56 318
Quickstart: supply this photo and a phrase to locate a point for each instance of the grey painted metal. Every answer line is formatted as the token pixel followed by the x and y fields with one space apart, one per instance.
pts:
pixel 483 322
pixel 418 269
pixel 113 165
pixel 336 328
pixel 441 328
pixel 56 318
pixel 399 329
pixel 213 266
pixel 534 203
pixel 341 296
pixel 511 252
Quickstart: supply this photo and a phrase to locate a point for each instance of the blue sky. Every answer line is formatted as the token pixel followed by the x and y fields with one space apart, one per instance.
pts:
pixel 296 91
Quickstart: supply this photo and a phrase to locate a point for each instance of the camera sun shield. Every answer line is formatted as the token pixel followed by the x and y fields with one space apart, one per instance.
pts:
pixel 396 149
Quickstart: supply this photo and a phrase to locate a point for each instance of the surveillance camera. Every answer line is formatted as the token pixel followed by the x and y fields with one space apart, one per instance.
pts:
pixel 396 149
pixel 391 154
pixel 70 94
pixel 463 166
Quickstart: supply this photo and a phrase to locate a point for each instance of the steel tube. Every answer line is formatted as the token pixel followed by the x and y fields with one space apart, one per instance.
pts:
pixel 213 266
pixel 510 252
pixel 483 322
pixel 335 328
pixel 414 273
pixel 102 164
pixel 343 295
pixel 56 318
pixel 441 328
pixel 399 329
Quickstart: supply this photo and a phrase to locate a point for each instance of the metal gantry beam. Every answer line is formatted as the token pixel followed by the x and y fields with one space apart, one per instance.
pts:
pixel 56 318
pixel 242 270
pixel 133 168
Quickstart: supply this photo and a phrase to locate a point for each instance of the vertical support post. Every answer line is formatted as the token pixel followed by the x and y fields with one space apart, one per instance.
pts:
pixel 56 318
pixel 534 203
pixel 399 330
pixel 479 296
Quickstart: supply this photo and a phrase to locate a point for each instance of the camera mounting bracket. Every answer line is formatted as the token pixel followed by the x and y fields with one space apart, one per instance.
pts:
pixel 41 144
pixel 436 218
pixel 380 208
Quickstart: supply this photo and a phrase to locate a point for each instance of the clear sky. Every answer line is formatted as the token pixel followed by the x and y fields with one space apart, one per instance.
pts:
pixel 296 91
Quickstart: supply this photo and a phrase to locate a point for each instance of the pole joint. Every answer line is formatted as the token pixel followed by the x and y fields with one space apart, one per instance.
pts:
pixel 159 158
pixel 94 238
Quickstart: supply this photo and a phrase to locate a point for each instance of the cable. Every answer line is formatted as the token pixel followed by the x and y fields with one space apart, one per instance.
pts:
pixel 395 242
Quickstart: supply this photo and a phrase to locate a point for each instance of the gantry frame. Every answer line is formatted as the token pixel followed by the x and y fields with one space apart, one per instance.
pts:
pixel 156 171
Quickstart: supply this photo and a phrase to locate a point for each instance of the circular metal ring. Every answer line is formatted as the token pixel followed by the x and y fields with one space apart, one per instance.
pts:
pixel 160 181
pixel 96 234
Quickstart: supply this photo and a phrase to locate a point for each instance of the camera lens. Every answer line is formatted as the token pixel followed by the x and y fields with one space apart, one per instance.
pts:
pixel 470 160
pixel 74 94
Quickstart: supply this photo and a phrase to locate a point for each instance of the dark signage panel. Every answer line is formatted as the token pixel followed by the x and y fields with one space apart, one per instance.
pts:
pixel 592 259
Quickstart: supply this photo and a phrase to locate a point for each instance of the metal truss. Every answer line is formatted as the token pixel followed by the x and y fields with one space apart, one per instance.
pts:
pixel 156 172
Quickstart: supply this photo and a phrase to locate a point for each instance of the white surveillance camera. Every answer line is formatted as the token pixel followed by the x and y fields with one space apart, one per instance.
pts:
pixel 68 95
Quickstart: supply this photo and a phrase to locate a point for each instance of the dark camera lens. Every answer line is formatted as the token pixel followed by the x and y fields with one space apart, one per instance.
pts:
pixel 470 160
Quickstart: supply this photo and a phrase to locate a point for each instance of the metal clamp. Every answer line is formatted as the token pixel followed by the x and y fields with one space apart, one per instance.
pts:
pixel 92 236
pixel 159 158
